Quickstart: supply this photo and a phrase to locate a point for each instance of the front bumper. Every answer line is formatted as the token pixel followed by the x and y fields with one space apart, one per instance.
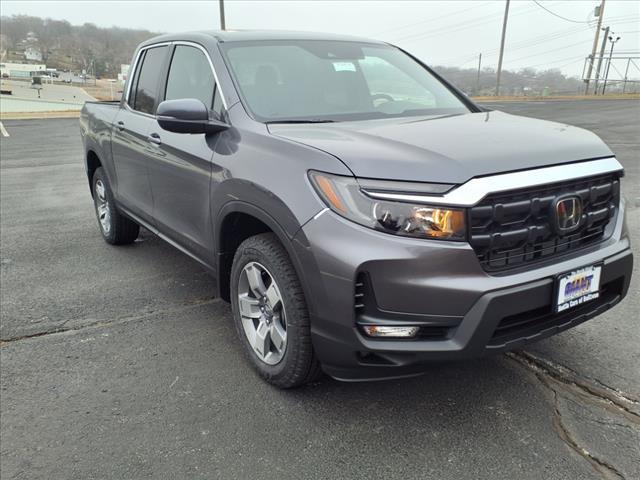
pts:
pixel 463 312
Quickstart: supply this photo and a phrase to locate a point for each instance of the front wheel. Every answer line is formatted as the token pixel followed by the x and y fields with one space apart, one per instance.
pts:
pixel 116 229
pixel 270 313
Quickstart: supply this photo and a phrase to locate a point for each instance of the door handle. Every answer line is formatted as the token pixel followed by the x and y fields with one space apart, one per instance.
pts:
pixel 120 125
pixel 154 138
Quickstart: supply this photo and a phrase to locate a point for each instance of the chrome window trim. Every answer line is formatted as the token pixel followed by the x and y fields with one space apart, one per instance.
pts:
pixel 206 54
pixel 162 44
pixel 471 192
pixel 133 71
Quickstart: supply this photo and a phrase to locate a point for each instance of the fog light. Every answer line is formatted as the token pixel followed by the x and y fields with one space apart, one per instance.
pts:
pixel 395 332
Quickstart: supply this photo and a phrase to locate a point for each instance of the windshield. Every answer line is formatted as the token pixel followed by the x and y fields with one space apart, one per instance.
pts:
pixel 311 80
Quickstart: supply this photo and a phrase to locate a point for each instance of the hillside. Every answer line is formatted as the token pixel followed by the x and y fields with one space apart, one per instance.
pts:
pixel 69 47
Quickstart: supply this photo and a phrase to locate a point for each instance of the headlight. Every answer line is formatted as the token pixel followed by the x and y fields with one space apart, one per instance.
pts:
pixel 345 197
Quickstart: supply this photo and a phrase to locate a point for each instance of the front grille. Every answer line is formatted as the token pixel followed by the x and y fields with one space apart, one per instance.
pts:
pixel 529 323
pixel 513 228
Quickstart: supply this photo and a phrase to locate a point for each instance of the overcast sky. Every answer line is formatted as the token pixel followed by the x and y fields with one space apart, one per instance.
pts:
pixel 440 32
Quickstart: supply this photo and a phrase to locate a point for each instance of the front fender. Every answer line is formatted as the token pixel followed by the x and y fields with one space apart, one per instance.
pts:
pixel 284 227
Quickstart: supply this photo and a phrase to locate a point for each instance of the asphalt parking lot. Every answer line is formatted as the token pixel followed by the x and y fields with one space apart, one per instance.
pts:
pixel 117 362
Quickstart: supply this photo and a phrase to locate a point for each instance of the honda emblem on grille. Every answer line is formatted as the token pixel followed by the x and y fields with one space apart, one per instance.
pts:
pixel 568 214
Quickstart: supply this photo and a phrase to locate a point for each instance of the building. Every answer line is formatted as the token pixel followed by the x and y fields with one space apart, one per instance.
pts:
pixel 21 70
pixel 124 71
pixel 33 54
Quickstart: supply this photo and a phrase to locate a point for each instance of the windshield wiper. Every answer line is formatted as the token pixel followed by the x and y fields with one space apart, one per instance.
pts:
pixel 308 120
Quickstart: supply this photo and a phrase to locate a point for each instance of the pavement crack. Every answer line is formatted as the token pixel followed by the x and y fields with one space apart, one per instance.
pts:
pixel 622 403
pixel 603 467
pixel 18 338
pixel 104 323
pixel 554 377
pixel 610 424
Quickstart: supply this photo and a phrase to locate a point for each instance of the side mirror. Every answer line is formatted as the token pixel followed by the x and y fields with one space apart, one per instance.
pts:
pixel 187 115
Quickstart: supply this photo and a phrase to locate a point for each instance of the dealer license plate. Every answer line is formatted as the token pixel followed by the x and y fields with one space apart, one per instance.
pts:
pixel 578 287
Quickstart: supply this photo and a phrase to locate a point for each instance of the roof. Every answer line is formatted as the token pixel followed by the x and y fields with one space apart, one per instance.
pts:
pixel 224 36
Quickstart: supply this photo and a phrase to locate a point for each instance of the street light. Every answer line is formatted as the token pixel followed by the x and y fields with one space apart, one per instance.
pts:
pixel 606 75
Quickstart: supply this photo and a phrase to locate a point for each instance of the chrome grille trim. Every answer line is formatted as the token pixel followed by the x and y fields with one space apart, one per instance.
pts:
pixel 473 191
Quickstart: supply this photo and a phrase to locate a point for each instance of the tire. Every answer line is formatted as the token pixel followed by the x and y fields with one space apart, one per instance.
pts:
pixel 295 363
pixel 115 228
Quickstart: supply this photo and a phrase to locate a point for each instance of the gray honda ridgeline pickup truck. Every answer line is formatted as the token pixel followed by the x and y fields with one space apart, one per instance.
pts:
pixel 362 215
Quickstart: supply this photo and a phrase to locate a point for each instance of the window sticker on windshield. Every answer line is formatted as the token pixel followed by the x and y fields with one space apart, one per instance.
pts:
pixel 344 66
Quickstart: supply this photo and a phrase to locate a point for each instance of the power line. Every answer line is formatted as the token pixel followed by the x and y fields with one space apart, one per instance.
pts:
pixel 559 16
pixel 524 44
pixel 429 20
pixel 456 27
pixel 549 51
pixel 538 40
pixel 464 24
pixel 470 59
pixel 567 64
pixel 535 41
pixel 483 20
pixel 574 58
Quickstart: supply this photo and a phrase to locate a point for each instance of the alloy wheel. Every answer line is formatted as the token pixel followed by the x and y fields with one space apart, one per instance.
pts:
pixel 102 207
pixel 262 313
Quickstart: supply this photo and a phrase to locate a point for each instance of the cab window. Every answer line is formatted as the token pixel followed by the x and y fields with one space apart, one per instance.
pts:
pixel 146 87
pixel 190 76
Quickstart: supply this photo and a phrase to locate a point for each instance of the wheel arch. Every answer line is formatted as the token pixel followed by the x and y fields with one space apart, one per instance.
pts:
pixel 93 162
pixel 238 220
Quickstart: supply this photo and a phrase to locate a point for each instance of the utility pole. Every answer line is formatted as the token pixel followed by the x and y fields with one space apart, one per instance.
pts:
pixel 604 44
pixel 626 73
pixel 594 48
pixel 478 79
pixel 606 76
pixel 222 22
pixel 504 32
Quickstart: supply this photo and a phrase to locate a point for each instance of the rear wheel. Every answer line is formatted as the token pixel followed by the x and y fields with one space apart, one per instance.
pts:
pixel 116 229
pixel 270 313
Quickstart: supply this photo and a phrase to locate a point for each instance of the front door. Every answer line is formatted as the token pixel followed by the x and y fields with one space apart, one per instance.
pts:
pixel 181 165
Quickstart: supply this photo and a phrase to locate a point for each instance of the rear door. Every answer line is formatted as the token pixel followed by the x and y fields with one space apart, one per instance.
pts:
pixel 181 166
pixel 130 141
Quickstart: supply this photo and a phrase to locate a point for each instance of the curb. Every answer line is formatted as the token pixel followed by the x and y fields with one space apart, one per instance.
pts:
pixel 39 115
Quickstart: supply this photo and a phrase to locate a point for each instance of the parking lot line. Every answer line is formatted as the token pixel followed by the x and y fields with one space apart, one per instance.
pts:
pixel 3 130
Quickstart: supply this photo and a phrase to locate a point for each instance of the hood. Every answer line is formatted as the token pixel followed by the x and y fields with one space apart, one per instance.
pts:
pixel 451 149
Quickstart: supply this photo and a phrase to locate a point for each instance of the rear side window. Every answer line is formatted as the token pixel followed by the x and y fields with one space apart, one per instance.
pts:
pixel 134 82
pixel 190 76
pixel 146 88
